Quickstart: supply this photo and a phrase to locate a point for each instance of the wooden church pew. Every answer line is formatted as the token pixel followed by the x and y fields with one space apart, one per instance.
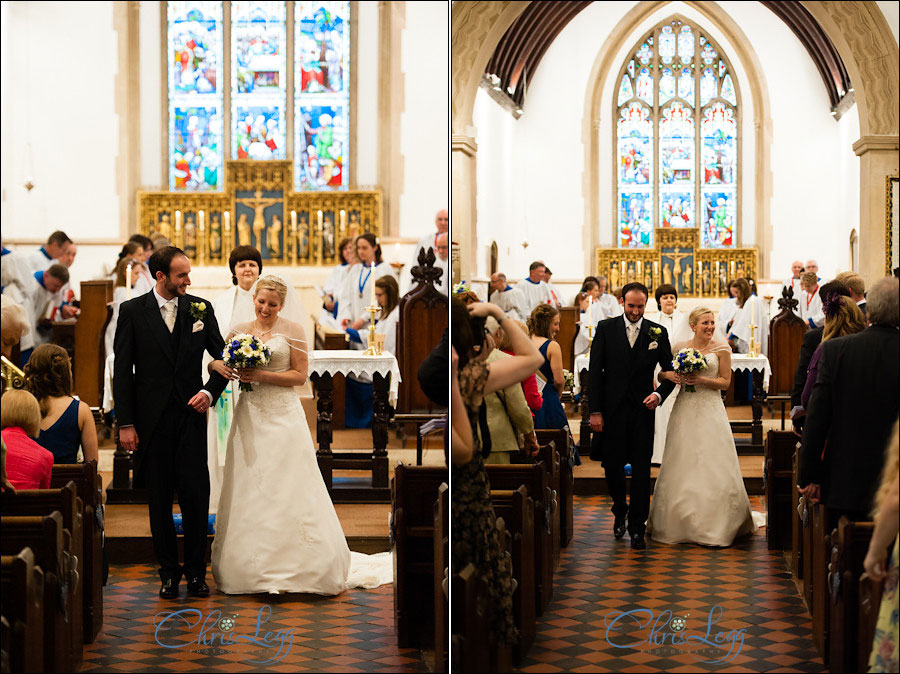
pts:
pixel 517 510
pixel 850 542
pixel 870 592
pixel 42 502
pixel 44 535
pixel 534 477
pixel 470 639
pixel 414 492
pixel 779 448
pixel 820 551
pixel 441 572
pixel 796 557
pixel 565 448
pixel 89 485
pixel 549 457
pixel 22 586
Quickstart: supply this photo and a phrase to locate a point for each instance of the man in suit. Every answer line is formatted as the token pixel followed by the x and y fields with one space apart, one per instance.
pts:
pixel 161 407
pixel 624 353
pixel 857 287
pixel 852 410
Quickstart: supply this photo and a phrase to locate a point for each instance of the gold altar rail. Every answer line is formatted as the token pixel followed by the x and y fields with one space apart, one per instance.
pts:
pixel 13 377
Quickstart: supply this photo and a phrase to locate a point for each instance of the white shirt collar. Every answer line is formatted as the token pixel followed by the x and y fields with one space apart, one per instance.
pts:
pixel 637 325
pixel 160 300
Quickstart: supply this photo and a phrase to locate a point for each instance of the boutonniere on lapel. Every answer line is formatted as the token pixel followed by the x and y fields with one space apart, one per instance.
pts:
pixel 197 311
pixel 654 337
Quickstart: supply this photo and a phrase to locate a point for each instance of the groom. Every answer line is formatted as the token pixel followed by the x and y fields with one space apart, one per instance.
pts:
pixel 624 353
pixel 161 407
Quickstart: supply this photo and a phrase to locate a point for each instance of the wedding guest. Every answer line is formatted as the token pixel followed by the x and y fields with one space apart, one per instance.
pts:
pixel 336 281
pixel 122 293
pixel 461 440
pixel 508 416
pixel 67 424
pixel 811 300
pixel 677 328
pixel 473 522
pixel 851 410
pixel 533 288
pixel 811 340
pixel 28 465
pixel 533 397
pixel 842 318
pixel 13 326
pixel 857 287
pixel 880 567
pixel 729 308
pixel 506 297
pixel 50 252
pixel 41 302
pixel 231 307
pixel 356 293
pixel 5 484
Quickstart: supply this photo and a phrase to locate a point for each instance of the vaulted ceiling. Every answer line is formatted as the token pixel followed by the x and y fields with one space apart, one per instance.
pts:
pixel 522 47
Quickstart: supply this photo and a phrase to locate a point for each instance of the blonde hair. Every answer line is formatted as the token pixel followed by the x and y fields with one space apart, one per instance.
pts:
pixel 853 281
pixel 541 318
pixel 21 409
pixel 14 319
pixel 122 270
pixel 809 278
pixel 695 315
pixel 847 321
pixel 891 468
pixel 272 283
pixel 505 343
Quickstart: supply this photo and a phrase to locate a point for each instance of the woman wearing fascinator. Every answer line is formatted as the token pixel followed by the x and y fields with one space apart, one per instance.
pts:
pixel 277 530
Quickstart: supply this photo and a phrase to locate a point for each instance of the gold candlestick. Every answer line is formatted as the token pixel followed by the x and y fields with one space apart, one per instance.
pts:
pixel 372 351
pixel 590 330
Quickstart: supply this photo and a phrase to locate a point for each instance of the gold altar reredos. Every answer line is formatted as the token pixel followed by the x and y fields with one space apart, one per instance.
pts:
pixel 678 260
pixel 260 203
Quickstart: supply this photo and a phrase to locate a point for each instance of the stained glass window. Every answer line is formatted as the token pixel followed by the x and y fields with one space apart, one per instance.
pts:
pixel 689 177
pixel 322 94
pixel 254 65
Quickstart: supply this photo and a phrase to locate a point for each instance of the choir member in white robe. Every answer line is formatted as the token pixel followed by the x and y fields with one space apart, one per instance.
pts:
pixel 557 298
pixel 122 292
pixel 18 283
pixel 430 240
pixel 534 290
pixel 728 309
pixel 506 297
pixel 676 325
pixel 610 304
pixel 592 312
pixel 357 292
pixel 750 312
pixel 49 253
pixel 231 307
pixel 811 310
pixel 442 262
pixel 41 301
pixel 794 283
pixel 334 286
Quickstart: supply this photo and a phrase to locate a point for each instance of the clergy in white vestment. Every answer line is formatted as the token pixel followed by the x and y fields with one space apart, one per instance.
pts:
pixel 334 286
pixel 233 306
pixel 811 310
pixel 358 291
pixel 794 283
pixel 557 301
pixel 534 289
pixel 17 281
pixel 430 240
pixel 41 302
pixel 608 301
pixel 592 312
pixel 49 253
pixel 506 297
pixel 442 262
pixel 750 311
pixel 678 330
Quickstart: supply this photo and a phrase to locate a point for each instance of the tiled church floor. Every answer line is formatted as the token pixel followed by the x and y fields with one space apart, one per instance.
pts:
pixel 350 633
pixel 600 578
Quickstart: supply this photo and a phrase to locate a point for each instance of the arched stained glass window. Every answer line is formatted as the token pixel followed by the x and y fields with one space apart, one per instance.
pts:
pixel 249 57
pixel 677 112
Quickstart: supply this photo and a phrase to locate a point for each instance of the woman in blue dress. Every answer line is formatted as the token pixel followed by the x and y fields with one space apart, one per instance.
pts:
pixel 543 326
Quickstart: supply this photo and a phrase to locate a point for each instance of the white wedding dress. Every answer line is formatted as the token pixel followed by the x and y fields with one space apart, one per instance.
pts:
pixel 699 495
pixel 276 528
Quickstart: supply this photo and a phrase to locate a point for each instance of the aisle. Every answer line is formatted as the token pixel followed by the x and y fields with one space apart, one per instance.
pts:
pixel 600 578
pixel 350 633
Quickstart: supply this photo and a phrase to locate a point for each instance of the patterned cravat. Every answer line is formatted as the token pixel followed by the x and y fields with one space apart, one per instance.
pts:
pixel 168 310
pixel 632 333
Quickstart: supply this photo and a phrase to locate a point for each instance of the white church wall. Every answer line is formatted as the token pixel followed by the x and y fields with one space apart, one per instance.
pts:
pixel 891 11
pixel 544 154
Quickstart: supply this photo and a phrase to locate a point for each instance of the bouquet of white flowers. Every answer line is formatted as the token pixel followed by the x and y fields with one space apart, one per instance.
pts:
pixel 245 350
pixel 688 361
pixel 569 379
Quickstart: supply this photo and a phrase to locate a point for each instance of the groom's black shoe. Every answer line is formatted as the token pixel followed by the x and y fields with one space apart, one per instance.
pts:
pixel 197 587
pixel 169 589
pixel 637 541
pixel 619 527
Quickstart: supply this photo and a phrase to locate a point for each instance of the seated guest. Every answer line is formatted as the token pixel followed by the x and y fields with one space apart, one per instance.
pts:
pixel 842 318
pixel 508 416
pixel 28 465
pixel 852 409
pixel 533 397
pixel 881 567
pixel 359 403
pixel 857 287
pixel 41 302
pixel 811 301
pixel 160 241
pixel 533 288
pixel 122 293
pixel 506 297
pixel 50 252
pixel 13 326
pixel 335 283
pixel 66 423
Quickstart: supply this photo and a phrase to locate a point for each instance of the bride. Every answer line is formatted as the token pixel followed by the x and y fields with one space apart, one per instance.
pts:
pixel 699 495
pixel 276 530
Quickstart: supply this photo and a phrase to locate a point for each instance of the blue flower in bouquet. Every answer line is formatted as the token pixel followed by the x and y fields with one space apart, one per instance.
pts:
pixel 688 361
pixel 246 351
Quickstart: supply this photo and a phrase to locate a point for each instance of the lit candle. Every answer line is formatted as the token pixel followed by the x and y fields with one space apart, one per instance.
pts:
pixel 639 269
pixel 733 273
pixel 372 280
pixel 320 222
pixel 656 271
pixel 128 279
pixel 201 223
pixel 227 221
pixel 343 221
pixel 294 222
pixel 177 221
pixel 623 271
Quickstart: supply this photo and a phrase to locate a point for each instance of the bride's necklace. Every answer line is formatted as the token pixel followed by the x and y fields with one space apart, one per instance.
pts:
pixel 262 333
pixel 701 349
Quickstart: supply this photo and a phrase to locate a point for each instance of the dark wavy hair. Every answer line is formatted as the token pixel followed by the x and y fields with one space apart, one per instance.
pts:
pixel 466 333
pixel 665 289
pixel 389 285
pixel 241 253
pixel 161 260
pixel 541 318
pixel 48 373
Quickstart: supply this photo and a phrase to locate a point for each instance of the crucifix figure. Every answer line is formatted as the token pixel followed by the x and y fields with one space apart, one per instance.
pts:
pixel 258 204
pixel 676 261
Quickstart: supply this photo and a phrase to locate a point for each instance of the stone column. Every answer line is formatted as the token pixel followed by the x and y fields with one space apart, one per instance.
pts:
pixel 878 158
pixel 463 211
